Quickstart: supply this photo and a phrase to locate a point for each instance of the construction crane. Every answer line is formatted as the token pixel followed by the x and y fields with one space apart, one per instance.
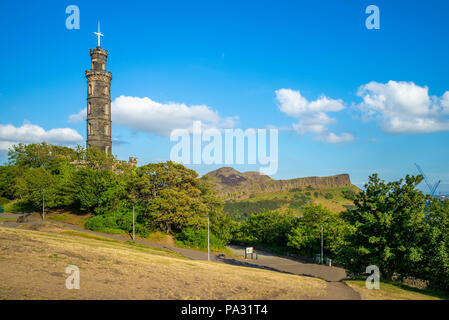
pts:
pixel 432 188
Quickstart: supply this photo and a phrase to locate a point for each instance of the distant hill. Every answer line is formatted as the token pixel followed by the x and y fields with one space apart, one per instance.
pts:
pixel 227 180
pixel 251 192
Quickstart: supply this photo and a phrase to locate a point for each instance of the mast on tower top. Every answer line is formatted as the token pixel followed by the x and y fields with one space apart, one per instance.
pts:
pixel 99 34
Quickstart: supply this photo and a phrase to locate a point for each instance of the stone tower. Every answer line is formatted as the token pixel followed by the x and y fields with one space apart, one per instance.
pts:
pixel 99 101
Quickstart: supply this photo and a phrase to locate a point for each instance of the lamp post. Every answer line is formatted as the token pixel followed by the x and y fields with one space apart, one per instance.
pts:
pixel 43 205
pixel 208 239
pixel 321 226
pixel 134 234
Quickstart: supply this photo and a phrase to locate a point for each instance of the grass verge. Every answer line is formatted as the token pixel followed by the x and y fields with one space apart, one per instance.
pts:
pixel 395 291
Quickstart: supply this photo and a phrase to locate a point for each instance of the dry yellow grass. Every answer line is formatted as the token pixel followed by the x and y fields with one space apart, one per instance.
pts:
pixel 33 263
pixel 389 291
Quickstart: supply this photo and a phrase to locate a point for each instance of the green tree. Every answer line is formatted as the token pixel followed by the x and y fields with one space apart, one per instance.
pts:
pixel 348 194
pixel 40 155
pixel 101 191
pixel 268 228
pixel 221 225
pixel 388 222
pixel 171 196
pixel 306 234
pixel 8 176
pixel 36 184
pixel 435 266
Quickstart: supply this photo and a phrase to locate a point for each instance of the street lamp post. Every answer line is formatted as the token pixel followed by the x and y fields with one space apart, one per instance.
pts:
pixel 321 226
pixel 134 234
pixel 43 205
pixel 208 239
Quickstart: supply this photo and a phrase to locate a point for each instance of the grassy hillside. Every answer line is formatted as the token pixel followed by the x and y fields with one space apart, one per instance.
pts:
pixel 335 199
pixel 32 266
pixel 247 193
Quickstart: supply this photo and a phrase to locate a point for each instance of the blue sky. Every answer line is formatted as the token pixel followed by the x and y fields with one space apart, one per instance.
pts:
pixel 232 57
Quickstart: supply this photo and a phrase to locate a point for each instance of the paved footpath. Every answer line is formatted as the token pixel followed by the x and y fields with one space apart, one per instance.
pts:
pixel 336 288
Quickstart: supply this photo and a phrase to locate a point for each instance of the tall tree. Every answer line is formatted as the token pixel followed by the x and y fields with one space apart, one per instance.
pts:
pixel 171 195
pixel 306 235
pixel 388 221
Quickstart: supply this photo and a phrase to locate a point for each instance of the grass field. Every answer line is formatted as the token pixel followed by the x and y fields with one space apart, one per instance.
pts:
pixel 33 263
pixel 7 219
pixel 394 291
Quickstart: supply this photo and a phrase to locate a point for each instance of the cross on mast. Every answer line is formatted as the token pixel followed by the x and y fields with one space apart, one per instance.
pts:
pixel 99 34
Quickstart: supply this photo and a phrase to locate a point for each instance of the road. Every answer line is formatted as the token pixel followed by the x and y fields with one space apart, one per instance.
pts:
pixel 336 288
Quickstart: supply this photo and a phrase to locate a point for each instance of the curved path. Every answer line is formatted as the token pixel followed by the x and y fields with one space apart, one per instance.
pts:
pixel 336 288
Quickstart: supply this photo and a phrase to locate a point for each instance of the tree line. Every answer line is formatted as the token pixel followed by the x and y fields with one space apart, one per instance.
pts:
pixel 387 226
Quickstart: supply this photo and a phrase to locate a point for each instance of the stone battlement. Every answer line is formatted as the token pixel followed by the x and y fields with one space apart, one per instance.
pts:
pixel 99 50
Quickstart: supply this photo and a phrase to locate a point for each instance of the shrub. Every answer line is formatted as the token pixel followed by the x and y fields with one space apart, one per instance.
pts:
pixel 239 211
pixel 267 228
pixel 103 223
pixel 328 196
pixel 299 202
pixel 348 194
pixel 197 238
pixel 3 201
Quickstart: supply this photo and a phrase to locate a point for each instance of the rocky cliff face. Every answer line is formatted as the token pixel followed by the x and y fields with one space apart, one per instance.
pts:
pixel 228 180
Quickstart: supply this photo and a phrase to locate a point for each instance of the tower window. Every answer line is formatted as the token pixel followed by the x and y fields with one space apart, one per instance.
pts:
pixel 90 89
pixel 88 108
pixel 103 66
pixel 89 128
pixel 106 130
pixel 106 90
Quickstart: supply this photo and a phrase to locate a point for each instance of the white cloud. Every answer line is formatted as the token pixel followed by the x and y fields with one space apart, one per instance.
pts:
pixel 404 107
pixel 445 103
pixel 30 133
pixel 144 114
pixel 333 138
pixel 312 115
pixel 294 104
pixel 78 117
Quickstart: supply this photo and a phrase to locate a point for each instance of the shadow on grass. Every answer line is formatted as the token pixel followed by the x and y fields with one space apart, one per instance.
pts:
pixel 432 292
pixel 437 293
